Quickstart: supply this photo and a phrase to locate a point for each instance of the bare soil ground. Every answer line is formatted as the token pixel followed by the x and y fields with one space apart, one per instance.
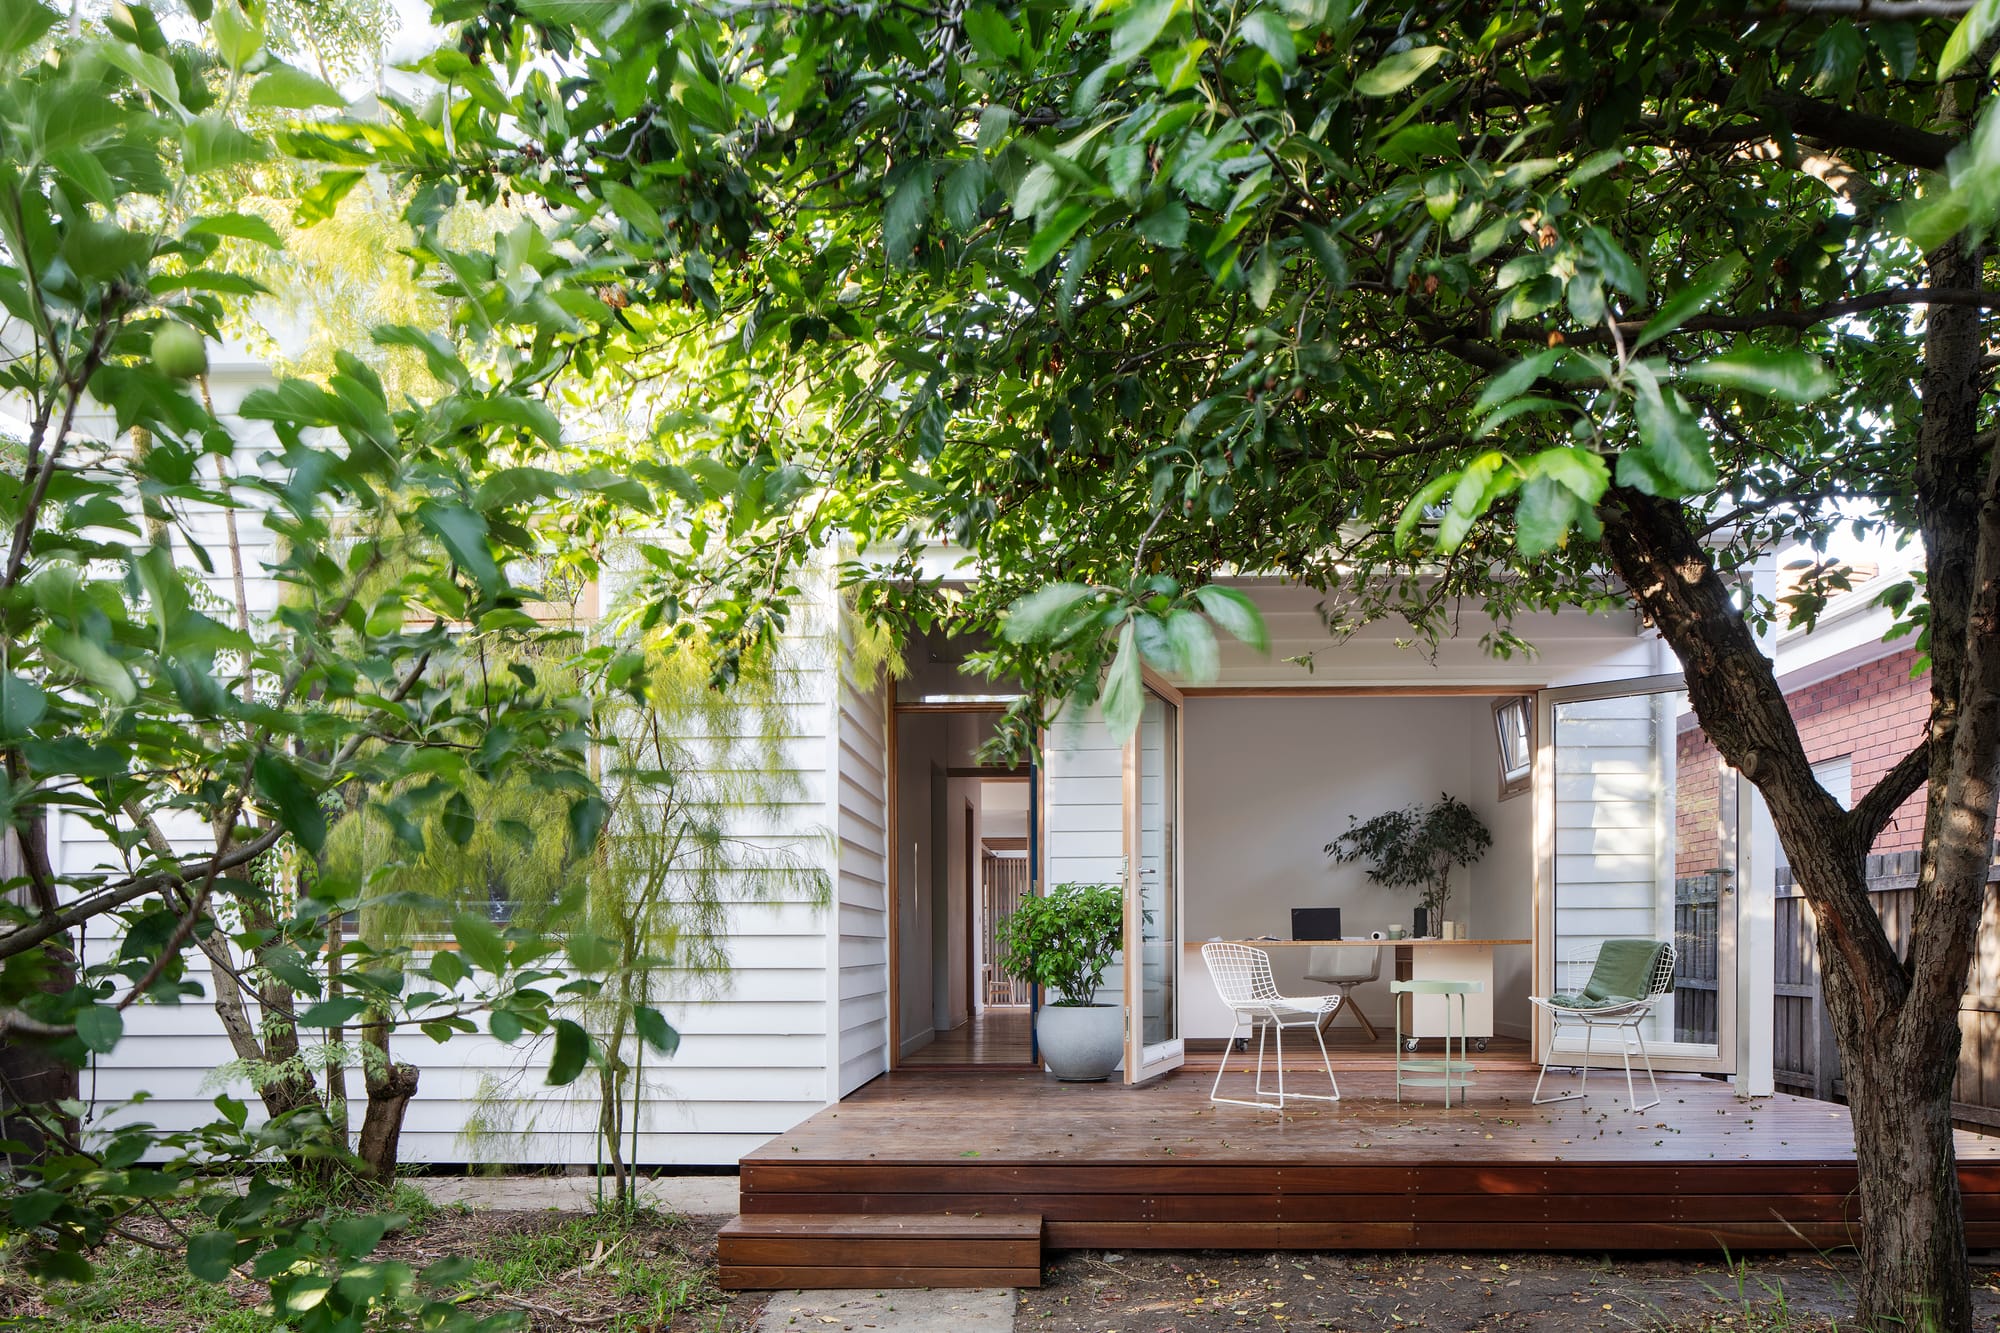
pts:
pixel 1200 1292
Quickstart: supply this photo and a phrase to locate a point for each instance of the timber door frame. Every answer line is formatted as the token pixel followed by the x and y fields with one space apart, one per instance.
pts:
pixel 1137 1070
pixel 1735 801
pixel 892 790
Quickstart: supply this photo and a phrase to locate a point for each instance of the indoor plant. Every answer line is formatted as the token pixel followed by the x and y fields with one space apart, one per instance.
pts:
pixel 1063 941
pixel 1415 848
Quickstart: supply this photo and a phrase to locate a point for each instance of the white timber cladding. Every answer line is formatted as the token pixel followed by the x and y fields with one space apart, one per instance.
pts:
pixel 1084 837
pixel 1614 835
pixel 860 933
pixel 754 1055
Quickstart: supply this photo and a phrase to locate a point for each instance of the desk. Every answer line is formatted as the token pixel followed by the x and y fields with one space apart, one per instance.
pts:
pixel 1429 960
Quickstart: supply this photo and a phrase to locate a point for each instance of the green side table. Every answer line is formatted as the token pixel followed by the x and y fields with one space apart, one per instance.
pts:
pixel 1450 1071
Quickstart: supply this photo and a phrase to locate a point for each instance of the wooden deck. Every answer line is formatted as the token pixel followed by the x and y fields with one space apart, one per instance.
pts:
pixel 1162 1167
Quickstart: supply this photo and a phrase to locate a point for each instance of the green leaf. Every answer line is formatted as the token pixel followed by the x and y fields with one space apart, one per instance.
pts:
pixel 447 969
pixel 1484 480
pixel 1673 458
pixel 1036 617
pixel 357 1235
pixel 1578 471
pixel 293 89
pixel 1713 280
pixel 459 821
pixel 93 663
pixel 654 1030
pixel 1793 376
pixel 572 1053
pixel 479 942
pixel 1614 263
pixel 586 820
pixel 238 226
pixel 99 1028
pixel 333 1013
pixel 463 533
pixel 903 217
pixel 1271 33
pixel 590 952
pixel 211 1255
pixel 1137 27
pixel 1327 250
pixel 213 143
pixel 1165 226
pixel 1516 378
pixel 964 189
pixel 1193 643
pixel 1236 613
pixel 1124 695
pixel 1548 512
pixel 1969 36
pixel 22 705
pixel 992 35
pixel 23 23
pixel 291 800
pixel 1420 504
pixel 1054 234
pixel 1397 72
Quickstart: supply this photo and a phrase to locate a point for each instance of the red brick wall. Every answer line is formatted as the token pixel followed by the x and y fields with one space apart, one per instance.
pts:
pixel 1873 714
pixel 1696 794
pixel 1876 714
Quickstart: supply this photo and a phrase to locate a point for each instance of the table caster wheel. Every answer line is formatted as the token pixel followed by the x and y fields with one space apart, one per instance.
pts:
pixel 1479 1043
pixel 1409 1044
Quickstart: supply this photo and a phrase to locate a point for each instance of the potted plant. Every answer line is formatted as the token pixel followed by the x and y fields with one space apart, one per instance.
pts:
pixel 1063 941
pixel 1415 848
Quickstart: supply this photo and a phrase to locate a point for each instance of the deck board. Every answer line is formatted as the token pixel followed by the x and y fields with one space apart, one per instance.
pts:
pixel 1162 1166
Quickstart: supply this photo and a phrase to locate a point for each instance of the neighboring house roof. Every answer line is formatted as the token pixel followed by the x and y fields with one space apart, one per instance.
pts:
pixel 1849 631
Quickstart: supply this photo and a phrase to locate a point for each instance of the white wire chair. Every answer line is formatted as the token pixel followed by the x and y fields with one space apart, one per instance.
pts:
pixel 1563 1008
pixel 1243 979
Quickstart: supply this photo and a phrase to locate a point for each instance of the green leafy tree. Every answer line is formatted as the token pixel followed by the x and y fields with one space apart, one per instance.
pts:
pixel 1430 307
pixel 1416 847
pixel 205 748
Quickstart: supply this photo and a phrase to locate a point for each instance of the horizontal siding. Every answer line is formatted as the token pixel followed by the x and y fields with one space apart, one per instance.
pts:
pixel 753 1059
pixel 861 946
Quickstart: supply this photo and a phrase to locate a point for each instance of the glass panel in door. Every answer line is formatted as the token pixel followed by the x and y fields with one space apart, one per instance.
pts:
pixel 1152 911
pixel 1645 847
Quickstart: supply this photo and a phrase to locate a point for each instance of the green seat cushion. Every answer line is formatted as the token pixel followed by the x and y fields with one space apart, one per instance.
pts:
pixel 1624 971
pixel 1577 1000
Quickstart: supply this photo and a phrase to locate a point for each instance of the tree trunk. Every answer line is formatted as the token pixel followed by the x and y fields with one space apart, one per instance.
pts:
pixel 1913 1274
pixel 382 1123
pixel 390 1088
pixel 1896 1022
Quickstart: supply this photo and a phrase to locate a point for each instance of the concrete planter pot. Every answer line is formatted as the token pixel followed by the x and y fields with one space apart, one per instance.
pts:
pixel 1081 1043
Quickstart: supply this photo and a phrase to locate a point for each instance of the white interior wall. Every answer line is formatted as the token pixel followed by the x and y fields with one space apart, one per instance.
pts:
pixel 1270 781
pixel 919 736
pixel 1502 902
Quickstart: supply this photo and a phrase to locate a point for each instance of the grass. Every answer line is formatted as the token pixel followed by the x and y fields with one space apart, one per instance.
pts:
pixel 625 1259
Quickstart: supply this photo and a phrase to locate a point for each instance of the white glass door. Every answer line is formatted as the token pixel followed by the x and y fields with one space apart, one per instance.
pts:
pixel 1153 1042
pixel 1644 821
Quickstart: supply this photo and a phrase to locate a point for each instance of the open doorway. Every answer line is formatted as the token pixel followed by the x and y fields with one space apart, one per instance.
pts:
pixel 965 855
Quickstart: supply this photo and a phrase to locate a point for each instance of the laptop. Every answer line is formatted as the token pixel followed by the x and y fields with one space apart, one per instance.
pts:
pixel 1315 923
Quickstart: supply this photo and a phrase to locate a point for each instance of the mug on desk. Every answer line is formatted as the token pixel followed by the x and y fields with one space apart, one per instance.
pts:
pixel 1395 932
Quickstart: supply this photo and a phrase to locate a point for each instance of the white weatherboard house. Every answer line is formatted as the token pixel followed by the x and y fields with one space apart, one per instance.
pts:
pixel 1213 818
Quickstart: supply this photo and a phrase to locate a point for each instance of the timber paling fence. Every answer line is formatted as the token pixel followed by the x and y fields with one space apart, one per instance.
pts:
pixel 1695 958
pixel 1806 1060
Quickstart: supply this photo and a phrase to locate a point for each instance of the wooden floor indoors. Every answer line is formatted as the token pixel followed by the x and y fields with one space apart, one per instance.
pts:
pixel 1160 1166
pixel 1000 1037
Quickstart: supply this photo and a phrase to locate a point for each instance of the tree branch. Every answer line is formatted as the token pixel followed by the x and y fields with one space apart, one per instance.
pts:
pixel 1872 813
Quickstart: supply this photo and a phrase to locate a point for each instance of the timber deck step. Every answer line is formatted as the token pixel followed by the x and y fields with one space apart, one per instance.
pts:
pixel 778 1250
